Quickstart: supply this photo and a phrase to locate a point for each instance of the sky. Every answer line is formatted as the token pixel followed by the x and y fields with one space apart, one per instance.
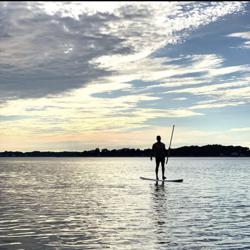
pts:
pixel 80 75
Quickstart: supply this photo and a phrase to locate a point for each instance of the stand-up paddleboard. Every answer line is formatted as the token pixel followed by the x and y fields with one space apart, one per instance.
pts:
pixel 166 180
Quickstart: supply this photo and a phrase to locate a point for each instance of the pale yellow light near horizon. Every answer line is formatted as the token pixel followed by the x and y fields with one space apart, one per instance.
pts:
pixel 118 139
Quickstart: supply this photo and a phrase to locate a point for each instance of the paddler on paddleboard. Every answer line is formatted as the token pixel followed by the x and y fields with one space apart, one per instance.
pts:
pixel 159 151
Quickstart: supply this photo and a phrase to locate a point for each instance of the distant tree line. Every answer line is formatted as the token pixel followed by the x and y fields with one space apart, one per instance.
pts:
pixel 186 151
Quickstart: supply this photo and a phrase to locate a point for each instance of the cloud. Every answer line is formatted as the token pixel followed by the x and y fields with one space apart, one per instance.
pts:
pixel 214 89
pixel 218 92
pixel 180 99
pixel 247 129
pixel 243 36
pixel 216 104
pixel 80 111
pixel 50 48
pixel 44 54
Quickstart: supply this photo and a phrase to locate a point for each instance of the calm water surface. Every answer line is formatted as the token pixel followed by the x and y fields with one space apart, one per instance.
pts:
pixel 100 203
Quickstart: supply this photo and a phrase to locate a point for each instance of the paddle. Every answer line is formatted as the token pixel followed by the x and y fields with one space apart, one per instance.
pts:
pixel 170 144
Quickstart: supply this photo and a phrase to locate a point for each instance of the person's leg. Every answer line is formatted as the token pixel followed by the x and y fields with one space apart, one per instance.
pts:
pixel 163 169
pixel 157 162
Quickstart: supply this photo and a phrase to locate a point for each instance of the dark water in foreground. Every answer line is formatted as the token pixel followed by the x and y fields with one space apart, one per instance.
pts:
pixel 87 203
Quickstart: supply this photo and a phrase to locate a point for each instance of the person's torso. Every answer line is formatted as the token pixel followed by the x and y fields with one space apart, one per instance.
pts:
pixel 159 150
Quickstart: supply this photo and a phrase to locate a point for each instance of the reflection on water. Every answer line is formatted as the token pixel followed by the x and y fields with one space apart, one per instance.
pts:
pixel 159 214
pixel 87 203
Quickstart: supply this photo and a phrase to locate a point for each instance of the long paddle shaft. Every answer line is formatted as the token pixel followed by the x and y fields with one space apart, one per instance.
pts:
pixel 170 143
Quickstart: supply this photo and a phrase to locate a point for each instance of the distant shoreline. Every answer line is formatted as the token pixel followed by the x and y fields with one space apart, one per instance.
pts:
pixel 186 151
pixel 121 156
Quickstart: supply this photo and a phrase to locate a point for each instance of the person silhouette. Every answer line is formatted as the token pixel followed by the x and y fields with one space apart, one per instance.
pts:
pixel 159 152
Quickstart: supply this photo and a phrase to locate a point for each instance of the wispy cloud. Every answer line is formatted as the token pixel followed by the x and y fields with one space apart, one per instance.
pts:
pixel 247 129
pixel 80 111
pixel 245 36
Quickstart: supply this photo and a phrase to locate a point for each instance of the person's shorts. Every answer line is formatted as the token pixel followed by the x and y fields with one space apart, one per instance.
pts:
pixel 159 160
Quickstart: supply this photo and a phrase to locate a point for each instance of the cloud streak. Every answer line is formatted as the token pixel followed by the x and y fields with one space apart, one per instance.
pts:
pixel 245 36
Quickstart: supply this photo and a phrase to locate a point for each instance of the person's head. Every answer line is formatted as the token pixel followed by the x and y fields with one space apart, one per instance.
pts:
pixel 158 138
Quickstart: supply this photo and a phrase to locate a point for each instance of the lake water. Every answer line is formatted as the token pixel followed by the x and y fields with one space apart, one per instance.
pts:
pixel 100 203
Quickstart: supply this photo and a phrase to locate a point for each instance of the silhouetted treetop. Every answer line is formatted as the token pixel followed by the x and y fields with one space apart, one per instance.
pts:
pixel 186 151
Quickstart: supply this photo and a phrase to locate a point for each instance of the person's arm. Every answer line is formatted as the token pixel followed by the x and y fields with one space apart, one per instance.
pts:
pixel 152 153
